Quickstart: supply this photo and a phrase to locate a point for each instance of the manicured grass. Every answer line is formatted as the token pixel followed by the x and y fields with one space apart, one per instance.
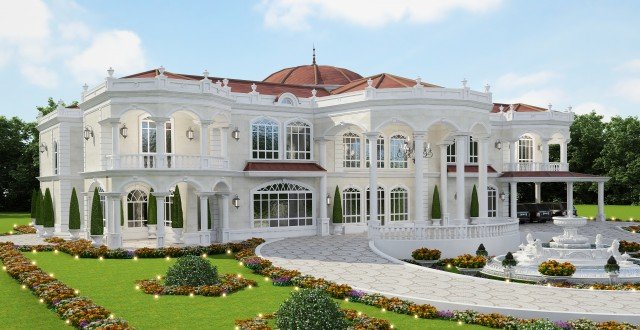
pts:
pixel 7 220
pixel 622 212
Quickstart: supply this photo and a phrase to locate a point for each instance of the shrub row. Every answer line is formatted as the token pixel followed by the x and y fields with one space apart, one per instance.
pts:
pixel 228 284
pixel 357 321
pixel 78 311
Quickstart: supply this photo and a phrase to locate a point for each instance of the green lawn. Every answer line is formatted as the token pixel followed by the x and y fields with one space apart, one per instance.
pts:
pixel 8 219
pixel 622 212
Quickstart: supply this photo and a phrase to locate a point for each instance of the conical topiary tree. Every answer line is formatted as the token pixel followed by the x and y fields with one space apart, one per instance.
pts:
pixel 209 221
pixel 336 216
pixel 152 209
pixel 97 224
pixel 74 211
pixel 34 201
pixel 39 207
pixel 176 210
pixel 436 213
pixel 121 213
pixel 474 209
pixel 48 218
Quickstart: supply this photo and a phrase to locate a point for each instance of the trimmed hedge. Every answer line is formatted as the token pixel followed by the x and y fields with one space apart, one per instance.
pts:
pixel 336 216
pixel 152 209
pixel 310 309
pixel 436 213
pixel 48 217
pixel 38 207
pixel 191 271
pixel 176 210
pixel 97 223
pixel 474 210
pixel 74 211
pixel 34 201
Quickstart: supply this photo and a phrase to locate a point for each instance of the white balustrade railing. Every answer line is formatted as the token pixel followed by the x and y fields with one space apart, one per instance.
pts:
pixel 169 161
pixel 417 232
pixel 536 166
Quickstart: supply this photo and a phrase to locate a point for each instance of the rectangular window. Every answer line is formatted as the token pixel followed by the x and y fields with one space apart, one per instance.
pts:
pixel 451 153
pixel 298 140
pixel 264 139
pixel 473 151
pixel 282 208
pixel 381 210
pixel 379 152
pixel 351 205
pixel 351 143
pixel 399 204
pixel 398 148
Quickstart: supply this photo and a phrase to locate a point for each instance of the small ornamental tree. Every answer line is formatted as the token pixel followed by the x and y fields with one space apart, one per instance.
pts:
pixel 48 218
pixel 436 213
pixel 39 208
pixel 176 210
pixel 34 201
pixel 310 309
pixel 74 211
pixel 209 214
pixel 121 213
pixel 482 251
pixel 336 216
pixel 152 209
pixel 474 209
pixel 509 261
pixel 97 224
pixel 192 271
pixel 612 266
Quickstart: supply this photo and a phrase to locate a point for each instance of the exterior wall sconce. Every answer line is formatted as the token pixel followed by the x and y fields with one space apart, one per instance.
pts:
pixel 124 131
pixel 328 199
pixel 498 144
pixel 502 196
pixel 190 134
pixel 43 147
pixel 88 133
pixel 236 201
pixel 236 133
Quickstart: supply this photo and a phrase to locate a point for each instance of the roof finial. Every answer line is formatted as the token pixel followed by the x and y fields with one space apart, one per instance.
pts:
pixel 314 55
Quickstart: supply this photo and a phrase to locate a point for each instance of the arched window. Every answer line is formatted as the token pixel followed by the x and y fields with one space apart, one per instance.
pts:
pixel 103 205
pixel 473 151
pixel 286 101
pixel 282 205
pixel 56 163
pixel 351 205
pixel 399 204
pixel 298 140
pixel 264 139
pixel 525 149
pixel 398 156
pixel 351 143
pixel 381 209
pixel 492 202
pixel 379 151
pixel 168 203
pixel 451 152
pixel 136 209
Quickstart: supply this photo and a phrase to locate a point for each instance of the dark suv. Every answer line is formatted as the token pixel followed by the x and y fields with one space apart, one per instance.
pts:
pixel 564 210
pixel 556 209
pixel 539 212
pixel 523 213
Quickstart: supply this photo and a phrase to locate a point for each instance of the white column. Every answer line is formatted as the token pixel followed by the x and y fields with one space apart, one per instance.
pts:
pixel 461 157
pixel 601 216
pixel 160 207
pixel 570 199
pixel 85 223
pixel 114 235
pixel 545 152
pixel 482 178
pixel 224 142
pixel 418 170
pixel 115 144
pixel 513 158
pixel 443 181
pixel 373 176
pixel 538 192
pixel 323 220
pixel 204 143
pixel 205 234
pixel 513 195
pixel 225 218
pixel 161 144
pixel 563 152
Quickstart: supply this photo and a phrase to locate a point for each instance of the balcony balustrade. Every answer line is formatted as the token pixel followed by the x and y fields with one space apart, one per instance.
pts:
pixel 151 161
pixel 536 166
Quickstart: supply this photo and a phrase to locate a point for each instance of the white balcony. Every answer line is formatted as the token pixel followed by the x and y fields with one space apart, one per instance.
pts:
pixel 536 166
pixel 150 161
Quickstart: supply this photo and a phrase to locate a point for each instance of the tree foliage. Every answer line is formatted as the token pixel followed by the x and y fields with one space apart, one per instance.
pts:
pixel 152 209
pixel 474 209
pixel 38 207
pixel 336 215
pixel 48 216
pixel 176 210
pixel 436 212
pixel 19 164
pixel 97 223
pixel 34 203
pixel 74 211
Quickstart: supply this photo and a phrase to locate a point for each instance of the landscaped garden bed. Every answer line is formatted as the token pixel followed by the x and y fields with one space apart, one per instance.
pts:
pixel 633 229
pixel 20 230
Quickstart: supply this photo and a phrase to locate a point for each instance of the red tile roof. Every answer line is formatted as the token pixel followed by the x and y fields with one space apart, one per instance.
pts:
pixel 471 169
pixel 313 75
pixel 547 174
pixel 283 166
pixel 381 80
pixel 518 107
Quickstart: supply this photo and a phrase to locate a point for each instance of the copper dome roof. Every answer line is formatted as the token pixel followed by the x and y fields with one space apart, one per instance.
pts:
pixel 313 75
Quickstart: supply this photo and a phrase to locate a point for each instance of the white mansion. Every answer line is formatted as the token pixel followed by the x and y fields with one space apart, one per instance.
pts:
pixel 263 158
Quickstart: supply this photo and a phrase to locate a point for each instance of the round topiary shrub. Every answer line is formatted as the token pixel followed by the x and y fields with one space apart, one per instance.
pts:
pixel 310 309
pixel 192 271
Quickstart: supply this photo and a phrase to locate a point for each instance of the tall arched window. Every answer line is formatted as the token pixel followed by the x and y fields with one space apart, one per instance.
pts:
pixel 56 163
pixel 525 149
pixel 136 208
pixel 492 202
pixel 351 143
pixel 379 152
pixel 282 205
pixel 103 205
pixel 168 203
pixel 398 158
pixel 298 140
pixel 264 139
pixel 399 204
pixel 351 205
pixel 473 151
pixel 381 209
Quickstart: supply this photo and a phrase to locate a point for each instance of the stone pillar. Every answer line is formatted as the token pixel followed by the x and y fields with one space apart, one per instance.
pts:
pixel 418 169
pixel 224 142
pixel 204 143
pixel 84 229
pixel 570 199
pixel 600 216
pixel 323 220
pixel 161 144
pixel 483 199
pixel 114 235
pixel 538 192
pixel 513 147
pixel 444 196
pixel 205 234
pixel 225 217
pixel 160 207
pixel 115 143
pixel 545 153
pixel 513 196
pixel 461 156
pixel 563 152
pixel 373 176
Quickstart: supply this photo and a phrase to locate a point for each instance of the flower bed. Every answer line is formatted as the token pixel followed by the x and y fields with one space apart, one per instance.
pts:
pixel 426 254
pixel 469 261
pixel 228 284
pixel 627 246
pixel 554 268
pixel 634 229
pixel 20 230
pixel 78 311
pixel 357 321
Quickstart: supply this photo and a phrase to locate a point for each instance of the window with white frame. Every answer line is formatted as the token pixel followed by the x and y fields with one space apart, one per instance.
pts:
pixel 56 162
pixel 264 139
pixel 168 134
pixel 381 209
pixel 103 205
pixel 398 157
pixel 399 204
pixel 451 153
pixel 298 140
pixel 286 101
pixel 283 205
pixel 351 142
pixel 168 204
pixel 379 152
pixel 473 151
pixel 525 149
pixel 148 142
pixel 136 209
pixel 351 205
pixel 492 202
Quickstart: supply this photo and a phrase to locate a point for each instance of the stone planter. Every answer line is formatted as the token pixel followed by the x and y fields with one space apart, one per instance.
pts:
pixel 48 232
pixel 152 230
pixel 337 229
pixel 426 263
pixel 613 277
pixel 39 230
pixel 74 233
pixel 556 279
pixel 96 240
pixel 177 235
pixel 436 222
pixel 469 271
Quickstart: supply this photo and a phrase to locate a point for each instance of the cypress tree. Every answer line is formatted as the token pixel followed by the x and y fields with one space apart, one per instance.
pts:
pixel 474 209
pixel 74 211
pixel 436 213
pixel 152 209
pixel 337 207
pixel 209 214
pixel 176 210
pixel 121 214
pixel 47 214
pixel 34 200
pixel 38 207
pixel 97 224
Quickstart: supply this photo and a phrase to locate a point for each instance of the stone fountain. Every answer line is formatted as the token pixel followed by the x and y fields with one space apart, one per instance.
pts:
pixel 572 247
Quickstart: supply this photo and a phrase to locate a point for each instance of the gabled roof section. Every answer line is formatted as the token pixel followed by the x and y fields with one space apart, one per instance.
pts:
pixel 517 107
pixel 379 81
